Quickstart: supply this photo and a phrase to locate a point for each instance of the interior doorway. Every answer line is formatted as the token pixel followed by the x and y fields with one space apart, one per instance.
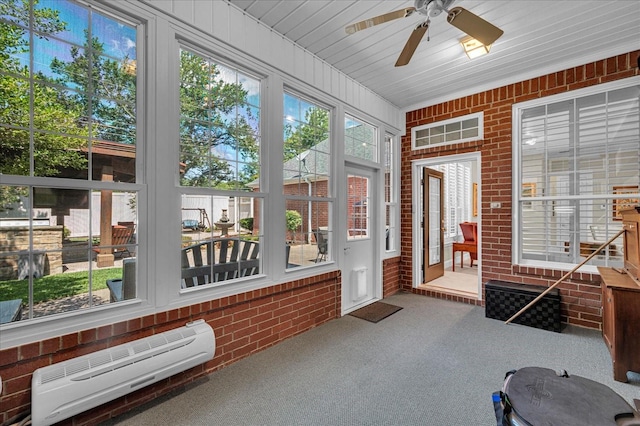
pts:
pixel 462 197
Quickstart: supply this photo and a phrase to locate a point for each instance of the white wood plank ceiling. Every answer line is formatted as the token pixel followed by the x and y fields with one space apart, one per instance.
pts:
pixel 540 37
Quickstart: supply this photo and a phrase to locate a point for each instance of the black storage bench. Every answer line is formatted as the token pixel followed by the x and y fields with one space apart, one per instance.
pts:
pixel 503 299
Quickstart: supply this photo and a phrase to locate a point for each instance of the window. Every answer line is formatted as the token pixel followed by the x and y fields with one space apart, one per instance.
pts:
pixel 578 159
pixel 307 184
pixel 219 171
pixel 68 137
pixel 360 139
pixel 390 193
pixel 457 130
pixel 358 207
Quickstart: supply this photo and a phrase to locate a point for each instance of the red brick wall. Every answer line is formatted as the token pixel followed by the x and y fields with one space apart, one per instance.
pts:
pixel 319 216
pixel 390 276
pixel 581 292
pixel 356 213
pixel 243 324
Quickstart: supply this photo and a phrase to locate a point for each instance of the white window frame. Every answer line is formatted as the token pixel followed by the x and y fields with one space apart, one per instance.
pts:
pixel 478 115
pixel 329 199
pixel 517 180
pixel 237 194
pixel 95 186
pixel 391 162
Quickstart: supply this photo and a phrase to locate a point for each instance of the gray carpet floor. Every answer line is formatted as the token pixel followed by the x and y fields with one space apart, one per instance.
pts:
pixel 432 363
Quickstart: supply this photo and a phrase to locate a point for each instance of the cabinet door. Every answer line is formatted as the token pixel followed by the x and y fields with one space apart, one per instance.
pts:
pixel 608 328
pixel 631 256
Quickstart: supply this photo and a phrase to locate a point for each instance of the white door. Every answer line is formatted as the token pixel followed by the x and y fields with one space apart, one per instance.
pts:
pixel 360 281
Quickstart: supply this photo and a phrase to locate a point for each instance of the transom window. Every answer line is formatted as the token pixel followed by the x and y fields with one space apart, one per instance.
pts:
pixel 457 130
pixel 578 162
pixel 360 139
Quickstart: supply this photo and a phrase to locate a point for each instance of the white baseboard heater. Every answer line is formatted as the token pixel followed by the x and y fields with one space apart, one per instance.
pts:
pixel 67 388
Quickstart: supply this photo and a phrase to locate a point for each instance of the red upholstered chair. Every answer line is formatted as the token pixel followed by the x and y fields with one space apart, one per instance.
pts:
pixel 470 243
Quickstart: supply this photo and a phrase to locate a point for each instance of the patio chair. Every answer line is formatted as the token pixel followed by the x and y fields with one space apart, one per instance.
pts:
pixel 120 237
pixel 124 288
pixel 218 260
pixel 323 244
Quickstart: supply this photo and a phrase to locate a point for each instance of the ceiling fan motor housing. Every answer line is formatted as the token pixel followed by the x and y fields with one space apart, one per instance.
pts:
pixel 464 20
pixel 432 8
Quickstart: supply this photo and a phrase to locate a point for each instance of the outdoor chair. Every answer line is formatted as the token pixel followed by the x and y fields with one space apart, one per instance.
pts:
pixel 120 237
pixel 323 244
pixel 219 260
pixel 124 288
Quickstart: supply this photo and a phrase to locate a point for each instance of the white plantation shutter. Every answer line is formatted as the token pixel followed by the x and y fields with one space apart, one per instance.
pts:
pixel 457 193
pixel 579 161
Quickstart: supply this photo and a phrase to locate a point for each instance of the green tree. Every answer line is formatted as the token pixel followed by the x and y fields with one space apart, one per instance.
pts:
pixel 313 131
pixel 294 220
pixel 52 152
pixel 211 126
pixel 110 91
pixel 214 119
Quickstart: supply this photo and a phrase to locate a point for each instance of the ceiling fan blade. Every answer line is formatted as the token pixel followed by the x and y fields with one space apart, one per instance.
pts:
pixel 483 31
pixel 367 23
pixel 412 44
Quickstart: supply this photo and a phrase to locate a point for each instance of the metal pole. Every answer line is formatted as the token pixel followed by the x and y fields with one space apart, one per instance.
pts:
pixel 541 295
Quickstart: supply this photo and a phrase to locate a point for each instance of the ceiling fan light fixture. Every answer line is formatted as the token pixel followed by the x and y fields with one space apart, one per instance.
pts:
pixel 473 48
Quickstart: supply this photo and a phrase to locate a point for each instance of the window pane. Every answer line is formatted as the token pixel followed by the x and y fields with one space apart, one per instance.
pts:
pixel 51 252
pixel 389 194
pixel 306 144
pixel 60 156
pixel 308 234
pixel 219 125
pixel 74 17
pixel 360 139
pixel 67 123
pixel 14 145
pixel 221 239
pixel 358 215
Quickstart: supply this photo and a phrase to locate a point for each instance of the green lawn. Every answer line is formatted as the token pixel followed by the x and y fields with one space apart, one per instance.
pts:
pixel 57 286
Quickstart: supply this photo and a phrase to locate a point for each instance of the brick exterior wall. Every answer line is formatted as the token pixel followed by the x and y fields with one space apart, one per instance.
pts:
pixel 390 276
pixel 580 292
pixel 319 216
pixel 243 324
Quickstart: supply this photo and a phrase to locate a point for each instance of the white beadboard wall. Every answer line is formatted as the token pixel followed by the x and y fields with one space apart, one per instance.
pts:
pixel 232 26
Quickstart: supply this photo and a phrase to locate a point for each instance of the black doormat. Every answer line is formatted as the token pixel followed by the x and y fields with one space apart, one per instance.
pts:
pixel 376 311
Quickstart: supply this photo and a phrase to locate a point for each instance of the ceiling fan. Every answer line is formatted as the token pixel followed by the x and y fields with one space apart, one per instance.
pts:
pixel 483 31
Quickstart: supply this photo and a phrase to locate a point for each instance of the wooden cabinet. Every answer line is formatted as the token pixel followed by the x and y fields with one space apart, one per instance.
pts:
pixel 630 223
pixel 621 321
